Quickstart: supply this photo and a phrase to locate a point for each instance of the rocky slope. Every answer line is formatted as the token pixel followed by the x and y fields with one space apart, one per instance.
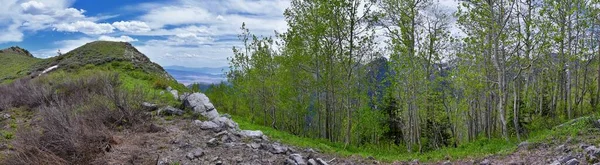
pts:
pixel 216 140
pixel 16 50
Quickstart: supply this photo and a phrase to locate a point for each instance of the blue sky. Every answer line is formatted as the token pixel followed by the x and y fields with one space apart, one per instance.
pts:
pixel 192 33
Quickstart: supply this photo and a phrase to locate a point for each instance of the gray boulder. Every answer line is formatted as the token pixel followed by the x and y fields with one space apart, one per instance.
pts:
pixel 149 106
pixel 251 134
pixel 312 162
pixel 209 125
pixel 289 161
pixel 198 102
pixel 298 159
pixel 168 110
pixel 321 161
pixel 211 114
pixel 226 123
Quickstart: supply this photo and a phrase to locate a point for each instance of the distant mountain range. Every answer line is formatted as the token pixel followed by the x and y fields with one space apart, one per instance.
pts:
pixel 204 75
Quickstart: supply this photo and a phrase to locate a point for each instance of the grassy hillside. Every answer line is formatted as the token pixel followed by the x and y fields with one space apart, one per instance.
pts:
pixel 99 86
pixel 15 65
pixel 102 52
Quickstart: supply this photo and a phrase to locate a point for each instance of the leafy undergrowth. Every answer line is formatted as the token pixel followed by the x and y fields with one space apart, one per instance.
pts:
pixel 580 127
pixel 390 153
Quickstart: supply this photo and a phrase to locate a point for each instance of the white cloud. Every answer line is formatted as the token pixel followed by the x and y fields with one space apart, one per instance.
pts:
pixel 177 15
pixel 87 27
pixel 63 46
pixel 11 34
pixel 33 7
pixel 117 39
pixel 184 39
pixel 132 26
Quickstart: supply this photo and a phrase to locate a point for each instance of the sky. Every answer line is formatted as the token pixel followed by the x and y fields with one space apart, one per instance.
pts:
pixel 191 33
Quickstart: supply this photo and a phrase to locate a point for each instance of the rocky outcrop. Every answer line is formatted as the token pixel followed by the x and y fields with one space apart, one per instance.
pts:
pixel 224 133
pixel 16 50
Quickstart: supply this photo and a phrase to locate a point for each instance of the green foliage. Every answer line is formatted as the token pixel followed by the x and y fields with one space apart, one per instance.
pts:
pixel 14 66
pixel 160 84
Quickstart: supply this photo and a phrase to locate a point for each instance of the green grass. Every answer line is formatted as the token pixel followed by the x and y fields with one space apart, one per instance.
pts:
pixel 131 79
pixel 390 153
pixel 14 66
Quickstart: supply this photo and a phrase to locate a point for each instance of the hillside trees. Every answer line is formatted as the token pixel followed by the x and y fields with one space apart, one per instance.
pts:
pixel 401 71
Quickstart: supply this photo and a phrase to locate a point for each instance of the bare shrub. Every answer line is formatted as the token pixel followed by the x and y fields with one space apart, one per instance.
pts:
pixel 23 92
pixel 73 124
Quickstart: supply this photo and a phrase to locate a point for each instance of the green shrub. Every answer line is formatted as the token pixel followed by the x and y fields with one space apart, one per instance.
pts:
pixel 160 84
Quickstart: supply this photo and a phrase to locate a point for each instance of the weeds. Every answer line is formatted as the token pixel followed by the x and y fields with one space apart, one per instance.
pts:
pixel 74 119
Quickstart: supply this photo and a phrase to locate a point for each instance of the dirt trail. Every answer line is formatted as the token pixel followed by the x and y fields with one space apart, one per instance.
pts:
pixel 177 138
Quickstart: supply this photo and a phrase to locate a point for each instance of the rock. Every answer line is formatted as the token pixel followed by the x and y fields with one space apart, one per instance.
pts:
pixel 226 115
pixel 149 106
pixel 212 142
pixel 221 133
pixel 226 123
pixel 566 159
pixel 198 153
pixel 556 162
pixel 572 162
pixel 523 145
pixel 485 162
pixel 371 158
pixel 209 125
pixel 321 161
pixel 163 161
pixel 298 159
pixel 277 149
pixel 169 88
pixel 6 116
pixel 190 156
pixel 312 162
pixel 168 110
pixel 175 94
pixel 211 114
pixel 447 163
pixel 416 161
pixel 592 154
pixel 561 148
pixel 310 150
pixel 251 134
pixel 583 146
pixel 289 161
pixel 254 145
pixel 198 102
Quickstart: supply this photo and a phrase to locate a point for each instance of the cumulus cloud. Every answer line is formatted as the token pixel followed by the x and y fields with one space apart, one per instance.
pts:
pixel 87 27
pixel 63 46
pixel 117 39
pixel 11 34
pixel 33 7
pixel 132 26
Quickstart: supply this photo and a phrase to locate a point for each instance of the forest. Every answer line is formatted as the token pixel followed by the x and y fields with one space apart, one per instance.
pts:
pixel 412 74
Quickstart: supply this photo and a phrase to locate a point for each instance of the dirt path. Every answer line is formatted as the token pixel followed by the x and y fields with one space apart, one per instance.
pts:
pixel 176 142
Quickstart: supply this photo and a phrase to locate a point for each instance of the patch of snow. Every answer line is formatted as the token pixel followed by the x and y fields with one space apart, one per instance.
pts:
pixel 48 70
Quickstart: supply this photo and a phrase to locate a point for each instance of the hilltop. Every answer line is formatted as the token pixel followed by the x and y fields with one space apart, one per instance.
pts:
pixel 16 62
